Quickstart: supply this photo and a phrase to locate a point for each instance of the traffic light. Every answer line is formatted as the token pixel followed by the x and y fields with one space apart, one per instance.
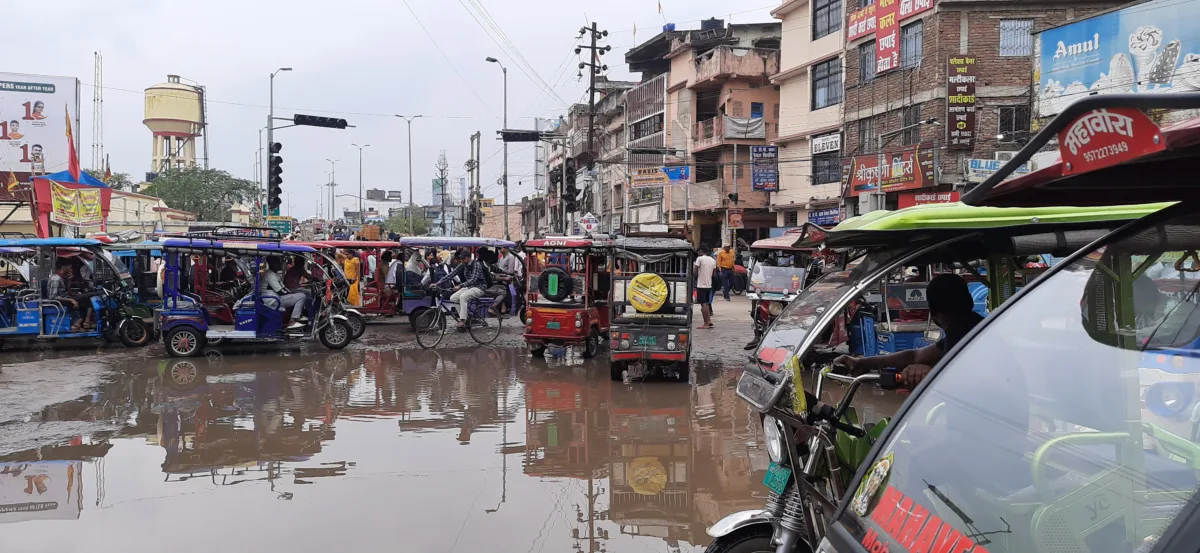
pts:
pixel 556 176
pixel 314 121
pixel 275 179
pixel 569 190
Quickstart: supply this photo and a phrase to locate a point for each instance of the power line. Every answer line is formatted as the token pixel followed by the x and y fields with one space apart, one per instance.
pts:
pixel 509 49
pixel 444 56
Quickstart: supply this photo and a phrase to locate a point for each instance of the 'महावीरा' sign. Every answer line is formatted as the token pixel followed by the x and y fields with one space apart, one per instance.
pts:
pixel 1106 137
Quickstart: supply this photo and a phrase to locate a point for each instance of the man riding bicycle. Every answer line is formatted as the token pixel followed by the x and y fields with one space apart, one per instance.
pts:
pixel 474 281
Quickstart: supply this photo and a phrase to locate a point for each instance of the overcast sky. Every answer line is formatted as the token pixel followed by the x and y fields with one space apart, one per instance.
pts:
pixel 362 60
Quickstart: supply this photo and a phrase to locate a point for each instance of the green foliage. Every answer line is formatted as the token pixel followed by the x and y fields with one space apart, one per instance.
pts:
pixel 118 181
pixel 399 225
pixel 209 193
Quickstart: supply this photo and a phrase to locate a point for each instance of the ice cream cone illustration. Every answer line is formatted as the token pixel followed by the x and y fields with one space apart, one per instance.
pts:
pixel 1143 45
pixel 1163 69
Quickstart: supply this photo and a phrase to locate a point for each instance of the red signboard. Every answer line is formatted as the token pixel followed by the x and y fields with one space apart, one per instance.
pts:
pixel 865 22
pixel 862 23
pixel 909 199
pixel 1106 137
pixel 887 36
pixel 909 8
pixel 903 170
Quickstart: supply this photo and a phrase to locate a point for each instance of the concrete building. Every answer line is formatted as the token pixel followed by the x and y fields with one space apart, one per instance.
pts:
pixel 705 98
pixel 964 62
pixel 493 224
pixel 810 113
pixel 175 116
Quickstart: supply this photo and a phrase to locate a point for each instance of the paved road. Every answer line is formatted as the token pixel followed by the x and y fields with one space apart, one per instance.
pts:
pixel 380 446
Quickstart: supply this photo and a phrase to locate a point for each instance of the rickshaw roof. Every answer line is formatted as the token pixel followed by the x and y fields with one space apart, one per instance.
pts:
pixel 206 243
pixel 143 245
pixel 892 228
pixel 352 244
pixel 652 243
pixel 792 239
pixel 568 242
pixel 35 242
pixel 454 242
pixel 1164 174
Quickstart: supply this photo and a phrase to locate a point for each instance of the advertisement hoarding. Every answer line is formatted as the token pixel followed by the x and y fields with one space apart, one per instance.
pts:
pixel 960 101
pixel 887 36
pixel 1150 47
pixel 825 217
pixel 33 122
pixel 902 170
pixel 736 218
pixel 648 177
pixel 909 199
pixel 764 168
pixel 978 170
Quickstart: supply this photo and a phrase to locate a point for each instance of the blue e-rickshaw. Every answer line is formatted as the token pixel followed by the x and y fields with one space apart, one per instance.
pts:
pixel 186 325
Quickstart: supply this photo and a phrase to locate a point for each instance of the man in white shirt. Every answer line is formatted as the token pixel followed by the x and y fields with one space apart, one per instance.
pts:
pixel 393 268
pixel 705 267
pixel 509 263
pixel 273 281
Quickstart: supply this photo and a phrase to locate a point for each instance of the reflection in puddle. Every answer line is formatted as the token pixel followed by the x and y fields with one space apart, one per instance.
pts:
pixel 455 449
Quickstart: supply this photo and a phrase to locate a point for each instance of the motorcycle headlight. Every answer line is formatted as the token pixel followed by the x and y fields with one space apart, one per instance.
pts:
pixel 773 434
pixel 775 308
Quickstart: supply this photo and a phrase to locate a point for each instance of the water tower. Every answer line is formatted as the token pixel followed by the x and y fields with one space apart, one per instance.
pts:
pixel 175 115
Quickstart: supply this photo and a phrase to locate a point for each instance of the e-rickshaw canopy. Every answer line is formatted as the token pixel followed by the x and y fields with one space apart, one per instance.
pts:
pixel 209 244
pixel 454 242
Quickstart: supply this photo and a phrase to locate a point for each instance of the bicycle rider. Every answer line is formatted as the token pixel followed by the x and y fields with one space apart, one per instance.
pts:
pixel 472 286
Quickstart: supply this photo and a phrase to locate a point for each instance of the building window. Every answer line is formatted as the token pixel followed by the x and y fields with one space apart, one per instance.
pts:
pixel 866 134
pixel 827 17
pixel 648 126
pixel 791 218
pixel 827 84
pixel 911 46
pixel 827 168
pixel 756 110
pixel 866 62
pixel 909 117
pixel 1016 38
pixel 1014 122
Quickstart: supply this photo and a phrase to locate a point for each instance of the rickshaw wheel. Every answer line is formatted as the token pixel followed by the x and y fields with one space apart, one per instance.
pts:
pixel 752 539
pixel 592 346
pixel 337 334
pixel 358 324
pixel 184 341
pixel 134 334
pixel 739 285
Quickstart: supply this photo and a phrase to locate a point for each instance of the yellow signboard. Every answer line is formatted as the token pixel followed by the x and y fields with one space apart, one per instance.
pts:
pixel 75 207
pixel 653 176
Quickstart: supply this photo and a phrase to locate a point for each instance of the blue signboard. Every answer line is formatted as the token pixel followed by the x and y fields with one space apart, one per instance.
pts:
pixel 825 217
pixel 1150 47
pixel 764 168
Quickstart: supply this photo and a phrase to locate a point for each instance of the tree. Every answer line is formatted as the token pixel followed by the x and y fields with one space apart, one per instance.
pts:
pixel 209 193
pixel 118 181
pixel 399 224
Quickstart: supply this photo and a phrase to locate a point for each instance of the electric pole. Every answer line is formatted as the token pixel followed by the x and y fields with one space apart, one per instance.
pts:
pixel 594 53
pixel 442 167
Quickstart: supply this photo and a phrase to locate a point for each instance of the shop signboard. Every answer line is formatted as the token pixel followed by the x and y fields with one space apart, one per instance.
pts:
pixel 909 199
pixel 882 20
pixel 827 143
pixel 764 168
pixel 960 102
pixel 901 170
pixel 736 220
pixel 1149 47
pixel 33 123
pixel 75 207
pixel 648 177
pixel 978 170
pixel 825 217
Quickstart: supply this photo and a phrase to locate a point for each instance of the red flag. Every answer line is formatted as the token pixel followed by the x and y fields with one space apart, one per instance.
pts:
pixel 73 157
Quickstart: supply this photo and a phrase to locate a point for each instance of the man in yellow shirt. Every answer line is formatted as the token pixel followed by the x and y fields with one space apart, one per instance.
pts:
pixel 725 262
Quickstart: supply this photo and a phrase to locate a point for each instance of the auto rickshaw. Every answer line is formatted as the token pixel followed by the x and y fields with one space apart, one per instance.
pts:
pixel 568 283
pixel 187 326
pixel 651 305
pixel 787 379
pixel 415 300
pixel 375 299
pixel 780 268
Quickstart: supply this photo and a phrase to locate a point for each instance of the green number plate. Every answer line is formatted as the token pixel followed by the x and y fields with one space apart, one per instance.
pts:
pixel 647 340
pixel 554 325
pixel 777 478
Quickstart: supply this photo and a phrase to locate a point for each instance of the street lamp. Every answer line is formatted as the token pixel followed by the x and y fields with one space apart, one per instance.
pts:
pixel 360 188
pixel 409 120
pixel 332 184
pixel 270 123
pixel 505 70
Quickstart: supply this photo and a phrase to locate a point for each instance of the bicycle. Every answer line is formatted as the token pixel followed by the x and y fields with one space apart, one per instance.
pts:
pixel 431 323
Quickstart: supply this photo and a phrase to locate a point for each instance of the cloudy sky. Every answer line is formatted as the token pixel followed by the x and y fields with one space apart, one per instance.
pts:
pixel 362 60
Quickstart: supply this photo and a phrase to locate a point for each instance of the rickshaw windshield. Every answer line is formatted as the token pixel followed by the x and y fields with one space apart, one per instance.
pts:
pixel 767 278
pixel 116 264
pixel 1072 419
pixel 799 317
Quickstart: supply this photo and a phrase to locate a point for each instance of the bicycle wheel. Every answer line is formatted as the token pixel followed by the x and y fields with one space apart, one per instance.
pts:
pixel 484 330
pixel 431 328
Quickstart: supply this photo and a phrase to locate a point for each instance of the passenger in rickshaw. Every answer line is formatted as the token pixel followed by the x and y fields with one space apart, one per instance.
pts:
pixel 495 289
pixel 273 285
pixel 229 271
pixel 297 274
pixel 82 287
pixel 56 290
pixel 951 307
pixel 509 262
pixel 352 266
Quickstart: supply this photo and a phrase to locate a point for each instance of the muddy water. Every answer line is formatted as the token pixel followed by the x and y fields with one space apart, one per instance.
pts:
pixel 460 450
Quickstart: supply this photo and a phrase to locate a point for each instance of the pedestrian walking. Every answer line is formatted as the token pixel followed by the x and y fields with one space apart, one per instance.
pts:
pixel 725 262
pixel 705 267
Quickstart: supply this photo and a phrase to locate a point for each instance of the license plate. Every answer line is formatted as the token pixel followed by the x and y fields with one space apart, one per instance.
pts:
pixel 647 340
pixel 777 478
pixel 756 391
pixel 554 325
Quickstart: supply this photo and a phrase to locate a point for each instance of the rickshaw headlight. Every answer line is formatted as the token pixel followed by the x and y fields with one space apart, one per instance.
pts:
pixel 775 308
pixel 578 323
pixel 773 435
pixel 624 344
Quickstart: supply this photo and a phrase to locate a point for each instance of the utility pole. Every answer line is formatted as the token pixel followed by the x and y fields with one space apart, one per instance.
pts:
pixel 332 185
pixel 472 201
pixel 409 120
pixel 362 219
pixel 505 177
pixel 594 56
pixel 270 136
pixel 442 167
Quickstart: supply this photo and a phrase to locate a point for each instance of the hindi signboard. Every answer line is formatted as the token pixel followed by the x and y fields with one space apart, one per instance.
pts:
pixel 736 218
pixel 960 101
pixel 887 36
pixel 825 217
pixel 764 168
pixel 648 177
pixel 280 223
pixel 1106 137
pixel 902 170
pixel 909 199
pixel 75 207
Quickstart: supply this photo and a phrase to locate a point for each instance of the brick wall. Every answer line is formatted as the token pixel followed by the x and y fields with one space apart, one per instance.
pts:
pixel 953 28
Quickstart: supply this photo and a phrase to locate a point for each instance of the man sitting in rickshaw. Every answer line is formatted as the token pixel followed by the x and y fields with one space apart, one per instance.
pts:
pixel 952 308
pixel 274 286
pixel 229 272
pixel 56 289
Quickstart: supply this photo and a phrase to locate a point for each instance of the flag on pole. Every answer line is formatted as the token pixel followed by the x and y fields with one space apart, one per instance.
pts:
pixel 12 181
pixel 635 33
pixel 73 156
pixel 659 7
pixel 107 170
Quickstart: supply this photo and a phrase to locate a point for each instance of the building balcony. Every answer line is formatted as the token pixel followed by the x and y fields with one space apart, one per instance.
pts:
pixel 724 130
pixel 727 62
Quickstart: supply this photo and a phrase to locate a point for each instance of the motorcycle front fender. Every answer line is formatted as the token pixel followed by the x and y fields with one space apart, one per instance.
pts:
pixel 352 311
pixel 739 520
pixel 340 317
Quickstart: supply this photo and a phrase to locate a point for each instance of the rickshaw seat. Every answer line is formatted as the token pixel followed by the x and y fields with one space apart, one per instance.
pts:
pixel 411 292
pixel 1162 475
pixel 905 326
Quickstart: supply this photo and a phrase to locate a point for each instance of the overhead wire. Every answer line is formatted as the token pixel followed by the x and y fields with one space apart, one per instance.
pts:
pixel 509 49
pixel 447 58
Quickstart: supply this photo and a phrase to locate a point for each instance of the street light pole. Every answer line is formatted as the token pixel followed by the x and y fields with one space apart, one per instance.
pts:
pixel 880 195
pixel 270 135
pixel 332 184
pixel 409 120
pixel 361 214
pixel 505 178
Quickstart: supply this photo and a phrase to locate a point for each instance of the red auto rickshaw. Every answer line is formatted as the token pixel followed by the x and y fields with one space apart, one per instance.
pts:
pixel 567 293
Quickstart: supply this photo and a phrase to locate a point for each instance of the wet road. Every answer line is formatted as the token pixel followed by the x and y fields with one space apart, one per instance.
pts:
pixel 380 446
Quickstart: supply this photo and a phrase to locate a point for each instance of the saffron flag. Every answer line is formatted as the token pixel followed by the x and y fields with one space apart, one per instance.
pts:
pixel 12 181
pixel 72 156
pixel 660 7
